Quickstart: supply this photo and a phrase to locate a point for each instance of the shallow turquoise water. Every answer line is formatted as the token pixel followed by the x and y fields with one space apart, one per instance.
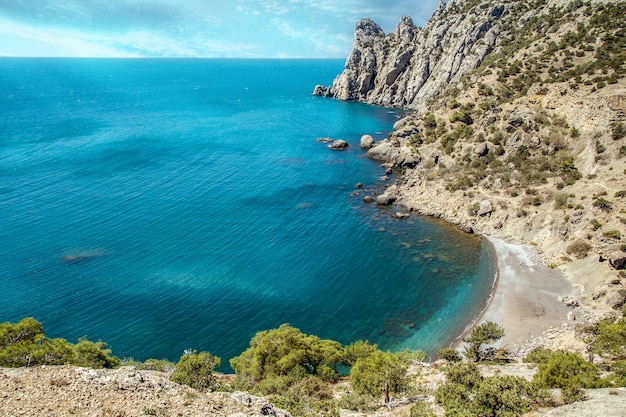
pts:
pixel 161 205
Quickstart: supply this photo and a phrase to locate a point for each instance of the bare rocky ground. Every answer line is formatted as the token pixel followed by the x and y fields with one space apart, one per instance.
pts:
pixel 61 391
pixel 125 392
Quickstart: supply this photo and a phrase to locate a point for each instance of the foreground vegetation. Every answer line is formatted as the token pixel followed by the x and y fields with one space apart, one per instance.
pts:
pixel 309 376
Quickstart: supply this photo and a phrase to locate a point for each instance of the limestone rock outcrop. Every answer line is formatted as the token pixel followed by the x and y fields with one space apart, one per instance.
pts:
pixel 406 67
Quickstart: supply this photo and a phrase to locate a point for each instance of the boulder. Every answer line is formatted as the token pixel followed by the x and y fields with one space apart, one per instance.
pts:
pixel 617 260
pixel 385 199
pixel 481 149
pixel 339 145
pixel 485 208
pixel 400 156
pixel 402 122
pixel 615 300
pixel 367 142
pixel 368 199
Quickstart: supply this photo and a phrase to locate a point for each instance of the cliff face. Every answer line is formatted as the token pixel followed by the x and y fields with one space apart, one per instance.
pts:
pixel 406 67
pixel 519 130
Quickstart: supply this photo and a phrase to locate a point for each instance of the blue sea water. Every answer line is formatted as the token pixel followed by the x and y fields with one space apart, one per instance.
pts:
pixel 161 205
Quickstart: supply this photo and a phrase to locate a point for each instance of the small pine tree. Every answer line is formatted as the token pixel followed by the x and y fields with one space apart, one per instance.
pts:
pixel 196 370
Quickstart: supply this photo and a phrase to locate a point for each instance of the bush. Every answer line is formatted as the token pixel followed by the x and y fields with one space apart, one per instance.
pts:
pixel 608 338
pixel 612 234
pixel 308 396
pixel 362 403
pixel 450 354
pixel 25 344
pixel 467 393
pixel 567 370
pixel 618 130
pixel 578 248
pixel 602 204
pixel 196 370
pixel 560 201
pixel 94 355
pixel 538 355
pixel 422 409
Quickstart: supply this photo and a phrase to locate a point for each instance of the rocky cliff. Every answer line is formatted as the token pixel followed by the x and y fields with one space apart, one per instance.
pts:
pixel 408 66
pixel 518 130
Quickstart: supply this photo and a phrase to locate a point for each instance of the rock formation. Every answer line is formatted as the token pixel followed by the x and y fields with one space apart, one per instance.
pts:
pixel 518 128
pixel 406 67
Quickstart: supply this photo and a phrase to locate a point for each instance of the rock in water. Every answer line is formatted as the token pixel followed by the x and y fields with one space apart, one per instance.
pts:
pixel 367 142
pixel 339 145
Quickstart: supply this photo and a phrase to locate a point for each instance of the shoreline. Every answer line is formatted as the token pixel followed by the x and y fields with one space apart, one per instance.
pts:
pixel 526 300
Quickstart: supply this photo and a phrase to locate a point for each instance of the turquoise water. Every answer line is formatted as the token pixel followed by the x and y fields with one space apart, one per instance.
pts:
pixel 161 205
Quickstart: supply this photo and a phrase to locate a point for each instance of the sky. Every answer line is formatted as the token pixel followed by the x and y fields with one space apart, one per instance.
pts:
pixel 195 28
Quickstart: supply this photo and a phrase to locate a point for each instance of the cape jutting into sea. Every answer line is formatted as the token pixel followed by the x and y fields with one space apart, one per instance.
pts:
pixel 163 205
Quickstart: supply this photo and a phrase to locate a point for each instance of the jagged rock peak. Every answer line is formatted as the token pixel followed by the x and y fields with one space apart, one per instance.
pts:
pixel 405 31
pixel 406 67
pixel 365 30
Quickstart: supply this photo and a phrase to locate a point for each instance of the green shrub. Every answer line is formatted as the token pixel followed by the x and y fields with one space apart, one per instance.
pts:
pixel 422 409
pixel 618 130
pixel 196 370
pixel 25 344
pixel 538 355
pixel 94 355
pixel 560 201
pixel 450 354
pixel 307 396
pixel 467 393
pixel 567 370
pixel 608 338
pixel 595 224
pixel 362 403
pixel 602 204
pixel 612 234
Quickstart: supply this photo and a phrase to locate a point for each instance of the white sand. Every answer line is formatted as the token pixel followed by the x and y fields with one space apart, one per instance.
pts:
pixel 526 298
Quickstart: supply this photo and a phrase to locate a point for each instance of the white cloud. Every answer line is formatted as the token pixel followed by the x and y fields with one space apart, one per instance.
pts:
pixel 211 28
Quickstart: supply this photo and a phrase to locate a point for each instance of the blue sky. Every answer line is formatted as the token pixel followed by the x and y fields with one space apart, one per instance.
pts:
pixel 194 28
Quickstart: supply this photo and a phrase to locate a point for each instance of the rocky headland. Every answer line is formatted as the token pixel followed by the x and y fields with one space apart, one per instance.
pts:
pixel 517 133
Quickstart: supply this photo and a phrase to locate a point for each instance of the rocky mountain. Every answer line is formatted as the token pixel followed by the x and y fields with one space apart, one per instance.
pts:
pixel 517 129
pixel 408 66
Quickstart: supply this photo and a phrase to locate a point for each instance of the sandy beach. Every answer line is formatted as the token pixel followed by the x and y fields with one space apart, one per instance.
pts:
pixel 526 299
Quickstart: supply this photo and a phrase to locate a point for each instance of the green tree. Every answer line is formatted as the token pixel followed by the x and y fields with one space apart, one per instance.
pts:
pixel 383 373
pixel 358 350
pixel 196 370
pixel 481 335
pixel 450 355
pixel 466 393
pixel 504 396
pixel 94 355
pixel 566 370
pixel 607 338
pixel 278 351
pixel 25 344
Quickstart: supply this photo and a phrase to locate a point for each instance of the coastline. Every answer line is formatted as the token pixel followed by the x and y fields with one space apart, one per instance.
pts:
pixel 527 298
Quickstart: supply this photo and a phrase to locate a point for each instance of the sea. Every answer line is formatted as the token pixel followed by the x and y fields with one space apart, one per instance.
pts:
pixel 169 204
